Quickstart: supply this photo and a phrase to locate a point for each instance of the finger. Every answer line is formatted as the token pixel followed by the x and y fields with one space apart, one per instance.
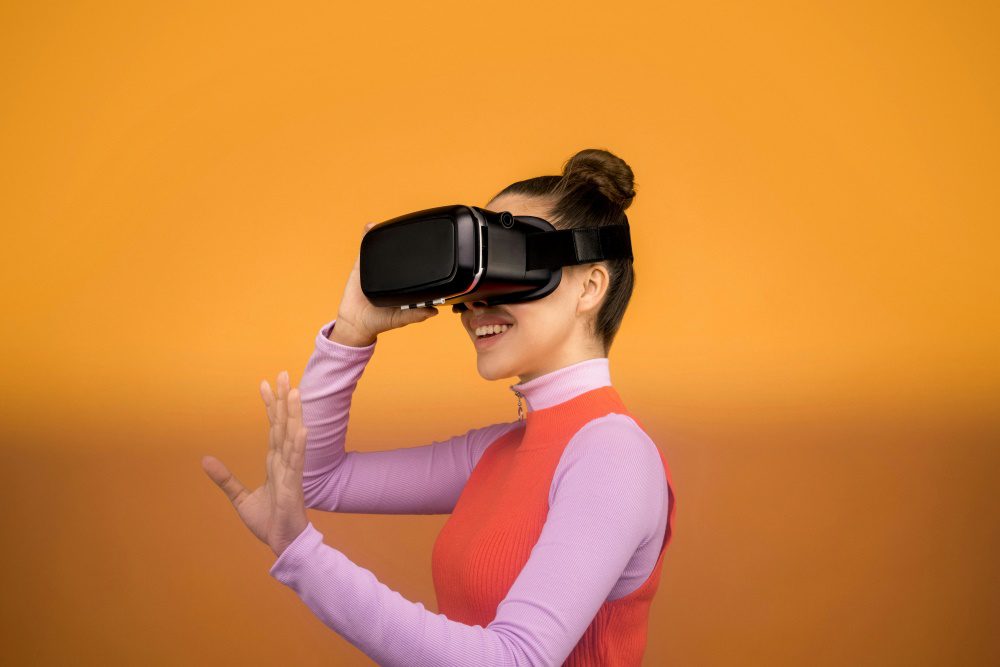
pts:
pixel 296 456
pixel 413 315
pixel 291 427
pixel 288 443
pixel 282 395
pixel 294 413
pixel 281 417
pixel 225 480
pixel 269 400
pixel 274 435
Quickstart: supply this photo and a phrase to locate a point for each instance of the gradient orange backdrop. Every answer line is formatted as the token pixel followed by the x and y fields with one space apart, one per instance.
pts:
pixel 812 342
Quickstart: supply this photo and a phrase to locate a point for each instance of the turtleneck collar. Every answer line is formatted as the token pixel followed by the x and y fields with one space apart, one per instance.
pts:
pixel 564 383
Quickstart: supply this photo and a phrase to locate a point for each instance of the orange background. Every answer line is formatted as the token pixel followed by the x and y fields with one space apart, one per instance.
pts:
pixel 812 342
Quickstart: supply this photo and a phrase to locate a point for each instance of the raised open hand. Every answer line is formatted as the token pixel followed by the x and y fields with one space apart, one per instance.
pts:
pixel 276 511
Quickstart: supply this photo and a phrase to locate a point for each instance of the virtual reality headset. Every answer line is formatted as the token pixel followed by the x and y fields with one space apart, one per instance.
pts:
pixel 458 254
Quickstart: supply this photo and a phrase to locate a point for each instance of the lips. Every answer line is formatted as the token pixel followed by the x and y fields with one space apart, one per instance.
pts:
pixel 487 341
pixel 489 319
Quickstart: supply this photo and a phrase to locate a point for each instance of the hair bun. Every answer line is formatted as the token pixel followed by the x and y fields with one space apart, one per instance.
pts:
pixel 608 172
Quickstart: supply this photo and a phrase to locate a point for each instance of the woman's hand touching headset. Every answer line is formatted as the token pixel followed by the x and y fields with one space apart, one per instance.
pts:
pixel 359 321
pixel 276 511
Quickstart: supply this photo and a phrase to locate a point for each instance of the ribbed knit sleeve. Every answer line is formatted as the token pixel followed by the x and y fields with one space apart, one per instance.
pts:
pixel 607 502
pixel 424 479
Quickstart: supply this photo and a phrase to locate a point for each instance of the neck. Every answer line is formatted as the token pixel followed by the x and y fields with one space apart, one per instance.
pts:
pixel 559 385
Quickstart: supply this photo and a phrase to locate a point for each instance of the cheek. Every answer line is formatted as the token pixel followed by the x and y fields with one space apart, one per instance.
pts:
pixel 540 333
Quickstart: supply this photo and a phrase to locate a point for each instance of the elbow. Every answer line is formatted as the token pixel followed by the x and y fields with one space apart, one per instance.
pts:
pixel 315 495
pixel 514 651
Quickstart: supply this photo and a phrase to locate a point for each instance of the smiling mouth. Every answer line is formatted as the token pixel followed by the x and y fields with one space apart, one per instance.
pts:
pixel 494 331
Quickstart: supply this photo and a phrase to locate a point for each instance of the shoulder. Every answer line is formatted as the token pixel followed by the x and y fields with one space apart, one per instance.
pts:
pixel 614 453
pixel 615 436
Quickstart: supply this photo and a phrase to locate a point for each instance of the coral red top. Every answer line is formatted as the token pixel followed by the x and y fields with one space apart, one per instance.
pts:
pixel 497 521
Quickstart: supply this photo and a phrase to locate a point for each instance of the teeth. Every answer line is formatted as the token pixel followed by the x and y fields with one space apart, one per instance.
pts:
pixel 492 328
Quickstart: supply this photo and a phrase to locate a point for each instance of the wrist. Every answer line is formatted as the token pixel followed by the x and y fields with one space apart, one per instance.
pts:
pixel 342 332
pixel 281 544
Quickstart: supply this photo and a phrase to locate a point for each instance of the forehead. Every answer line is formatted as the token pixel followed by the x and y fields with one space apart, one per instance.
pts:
pixel 519 204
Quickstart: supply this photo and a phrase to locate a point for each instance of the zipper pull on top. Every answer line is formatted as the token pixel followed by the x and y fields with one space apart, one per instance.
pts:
pixel 520 410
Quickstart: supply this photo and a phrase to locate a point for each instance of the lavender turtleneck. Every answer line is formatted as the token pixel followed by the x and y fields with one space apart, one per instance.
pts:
pixel 609 482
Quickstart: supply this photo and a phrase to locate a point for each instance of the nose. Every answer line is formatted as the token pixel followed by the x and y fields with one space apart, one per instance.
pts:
pixel 469 306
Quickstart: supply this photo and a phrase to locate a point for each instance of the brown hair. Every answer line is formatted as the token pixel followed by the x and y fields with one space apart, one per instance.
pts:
pixel 595 188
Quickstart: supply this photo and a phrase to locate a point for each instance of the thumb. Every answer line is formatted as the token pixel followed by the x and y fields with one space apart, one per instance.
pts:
pixel 412 315
pixel 226 481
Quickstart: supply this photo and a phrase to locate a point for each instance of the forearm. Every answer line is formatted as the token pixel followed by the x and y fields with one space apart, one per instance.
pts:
pixel 378 620
pixel 326 388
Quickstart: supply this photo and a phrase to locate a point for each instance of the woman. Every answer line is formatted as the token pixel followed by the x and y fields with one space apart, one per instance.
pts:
pixel 559 519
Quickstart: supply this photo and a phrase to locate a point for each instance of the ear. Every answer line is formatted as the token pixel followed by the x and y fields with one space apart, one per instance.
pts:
pixel 593 280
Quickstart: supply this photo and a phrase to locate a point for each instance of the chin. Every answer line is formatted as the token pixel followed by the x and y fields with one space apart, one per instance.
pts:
pixel 493 369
